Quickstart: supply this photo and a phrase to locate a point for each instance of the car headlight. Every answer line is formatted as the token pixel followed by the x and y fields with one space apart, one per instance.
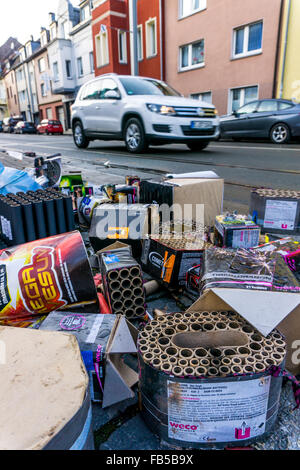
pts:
pixel 216 112
pixel 164 110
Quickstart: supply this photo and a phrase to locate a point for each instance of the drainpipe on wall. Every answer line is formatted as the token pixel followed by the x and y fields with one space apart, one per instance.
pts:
pixel 133 27
pixel 161 20
pixel 285 49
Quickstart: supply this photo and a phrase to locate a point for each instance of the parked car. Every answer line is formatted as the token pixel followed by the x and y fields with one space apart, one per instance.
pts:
pixel 277 120
pixel 10 123
pixel 49 126
pixel 140 111
pixel 1 126
pixel 25 127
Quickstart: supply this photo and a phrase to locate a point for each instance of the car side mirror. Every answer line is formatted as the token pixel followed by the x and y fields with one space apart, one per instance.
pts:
pixel 235 113
pixel 112 95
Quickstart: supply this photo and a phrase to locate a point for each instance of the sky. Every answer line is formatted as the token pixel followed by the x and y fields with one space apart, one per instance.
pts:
pixel 21 18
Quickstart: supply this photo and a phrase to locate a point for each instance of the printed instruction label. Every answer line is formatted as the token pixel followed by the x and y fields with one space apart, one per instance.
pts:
pixel 280 214
pixel 217 412
pixel 245 238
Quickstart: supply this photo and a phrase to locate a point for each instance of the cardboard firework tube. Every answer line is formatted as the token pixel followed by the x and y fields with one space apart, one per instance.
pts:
pixel 204 362
pixel 267 342
pixel 148 357
pixel 118 305
pixel 221 326
pixel 208 326
pixel 215 363
pixel 142 342
pixel 257 338
pixel 189 371
pixel 255 347
pixel 50 216
pixel 116 295
pixel 164 342
pixel 156 363
pixel 244 351
pixel 196 315
pixel 60 214
pixel 279 343
pixel 258 357
pixel 269 362
pixel 268 349
pixel 139 311
pixel 201 371
pixel 40 222
pixel 259 367
pixel 236 369
pixel 139 301
pixel 236 361
pixel 113 275
pixel 169 331
pixel 212 372
pixel 216 352
pixel 177 371
pixel 248 369
pixel 194 362
pixel 201 353
pixel 183 362
pixel 124 273
pixel 172 351
pixel 224 371
pixel 250 361
pixel 195 327
pixel 182 327
pixel 172 360
pixel 226 361
pixel 280 350
pixel 125 284
pixel 186 353
pixel 15 210
pixel 248 330
pixel 279 358
pixel 144 349
pixel 135 271
pixel 29 221
pixel 156 352
pixel 166 367
pixel 151 287
pixel 228 352
pixel 69 214
pixel 126 294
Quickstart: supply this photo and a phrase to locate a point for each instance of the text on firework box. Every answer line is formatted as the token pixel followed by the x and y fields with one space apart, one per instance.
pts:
pixel 103 339
pixel 235 231
pixel 197 199
pixel 265 310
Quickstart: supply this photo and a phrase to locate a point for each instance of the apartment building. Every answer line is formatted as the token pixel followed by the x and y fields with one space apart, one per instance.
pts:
pixel 113 37
pixel 70 53
pixel 223 52
pixel 11 88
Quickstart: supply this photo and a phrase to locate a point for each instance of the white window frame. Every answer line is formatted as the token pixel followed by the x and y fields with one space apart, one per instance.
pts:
pixel 79 72
pixel 101 45
pixel 245 52
pixel 242 101
pixel 53 31
pixel 91 59
pixel 190 66
pixel 141 48
pixel 201 96
pixel 42 60
pixel 43 90
pixel 122 40
pixel 55 76
pixel 149 51
pixel 203 6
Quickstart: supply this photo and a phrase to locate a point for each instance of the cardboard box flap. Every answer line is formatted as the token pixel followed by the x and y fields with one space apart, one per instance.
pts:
pixel 122 341
pixel 264 310
pixel 114 246
pixel 116 388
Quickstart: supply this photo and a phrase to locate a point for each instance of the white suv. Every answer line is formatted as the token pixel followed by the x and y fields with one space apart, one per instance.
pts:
pixel 140 111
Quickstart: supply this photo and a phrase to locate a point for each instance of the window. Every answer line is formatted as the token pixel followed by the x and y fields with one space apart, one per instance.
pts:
pixel 248 40
pixel 42 65
pixel 284 105
pixel 140 42
pixel 268 106
pixel 79 67
pixel 207 97
pixel 151 38
pixel 107 84
pixel 142 86
pixel 122 47
pixel 92 68
pixel 84 13
pixel 248 108
pixel 241 96
pixel 68 69
pixel 48 114
pixel 55 72
pixel 43 89
pixel 102 49
pixel 28 50
pixel 64 29
pixel 188 7
pixel 192 55
pixel 44 39
pixel 53 32
pixel 91 91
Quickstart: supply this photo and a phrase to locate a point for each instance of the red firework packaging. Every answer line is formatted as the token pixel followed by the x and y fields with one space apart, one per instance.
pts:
pixel 45 275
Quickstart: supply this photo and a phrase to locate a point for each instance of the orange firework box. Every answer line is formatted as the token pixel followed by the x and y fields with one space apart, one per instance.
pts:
pixel 45 275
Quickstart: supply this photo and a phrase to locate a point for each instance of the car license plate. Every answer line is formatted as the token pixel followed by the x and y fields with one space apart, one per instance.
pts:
pixel 55 127
pixel 201 125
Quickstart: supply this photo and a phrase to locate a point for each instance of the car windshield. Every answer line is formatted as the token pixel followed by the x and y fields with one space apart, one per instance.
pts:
pixel 137 86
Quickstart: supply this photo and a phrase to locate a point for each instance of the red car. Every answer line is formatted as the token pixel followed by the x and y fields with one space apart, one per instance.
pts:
pixel 50 127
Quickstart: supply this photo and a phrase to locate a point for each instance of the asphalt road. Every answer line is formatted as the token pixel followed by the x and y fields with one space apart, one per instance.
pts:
pixel 242 165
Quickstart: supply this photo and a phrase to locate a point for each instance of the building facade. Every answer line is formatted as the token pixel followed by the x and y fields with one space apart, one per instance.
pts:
pixel 222 52
pixel 11 90
pixel 70 53
pixel 113 37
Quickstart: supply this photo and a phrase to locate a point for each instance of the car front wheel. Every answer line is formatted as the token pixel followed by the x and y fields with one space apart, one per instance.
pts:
pixel 280 134
pixel 135 138
pixel 81 141
pixel 197 146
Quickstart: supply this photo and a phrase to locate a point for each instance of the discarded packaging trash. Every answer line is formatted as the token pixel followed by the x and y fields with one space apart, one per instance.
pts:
pixel 103 339
pixel 45 275
pixel 123 282
pixel 206 378
pixel 26 217
pixel 276 211
pixel 235 231
pixel 44 395
pixel 12 181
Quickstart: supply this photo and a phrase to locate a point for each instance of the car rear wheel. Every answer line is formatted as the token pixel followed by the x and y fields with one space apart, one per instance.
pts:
pixel 81 141
pixel 280 134
pixel 135 138
pixel 197 146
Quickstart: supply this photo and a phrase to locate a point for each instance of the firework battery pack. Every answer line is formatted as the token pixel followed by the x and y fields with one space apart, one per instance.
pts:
pixel 45 275
pixel 103 340
pixel 235 231
pixel 276 211
pixel 123 282
pixel 30 216
pixel 246 269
